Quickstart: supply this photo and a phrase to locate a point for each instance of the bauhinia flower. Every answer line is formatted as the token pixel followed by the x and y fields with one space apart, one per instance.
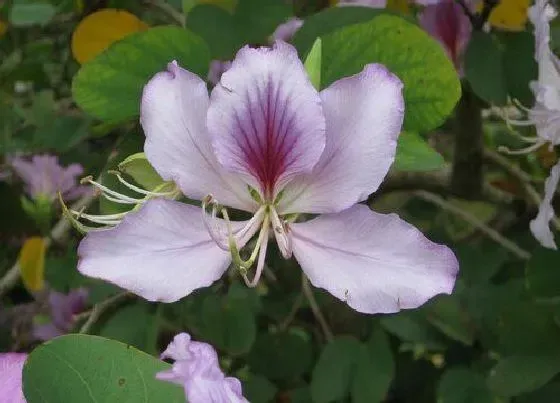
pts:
pixel 62 308
pixel 11 368
pixel 197 369
pixel 266 142
pixel 544 115
pixel 44 177
pixel 447 22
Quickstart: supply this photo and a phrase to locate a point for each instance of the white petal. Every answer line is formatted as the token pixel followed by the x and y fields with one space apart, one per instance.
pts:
pixel 364 116
pixel 376 263
pixel 173 115
pixel 540 226
pixel 162 252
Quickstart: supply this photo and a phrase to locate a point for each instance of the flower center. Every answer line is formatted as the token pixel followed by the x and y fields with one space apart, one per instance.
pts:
pixel 230 240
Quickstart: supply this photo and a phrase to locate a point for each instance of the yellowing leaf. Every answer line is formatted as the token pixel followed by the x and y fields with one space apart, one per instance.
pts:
pixel 99 30
pixel 32 263
pixel 3 28
pixel 510 15
pixel 228 5
pixel 399 6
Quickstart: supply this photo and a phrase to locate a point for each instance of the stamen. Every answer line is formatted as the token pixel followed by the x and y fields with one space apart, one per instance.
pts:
pixel 138 189
pixel 525 150
pixel 108 192
pixel 211 222
pixel 283 239
pixel 263 237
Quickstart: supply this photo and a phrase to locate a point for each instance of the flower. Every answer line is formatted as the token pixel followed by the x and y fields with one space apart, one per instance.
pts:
pixel 268 143
pixel 544 115
pixel 217 68
pixel 196 367
pixel 285 32
pixel 63 307
pixel 11 367
pixel 447 22
pixel 44 177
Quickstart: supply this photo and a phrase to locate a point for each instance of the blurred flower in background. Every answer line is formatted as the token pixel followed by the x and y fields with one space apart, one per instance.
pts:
pixel 197 369
pixel 62 307
pixel 11 367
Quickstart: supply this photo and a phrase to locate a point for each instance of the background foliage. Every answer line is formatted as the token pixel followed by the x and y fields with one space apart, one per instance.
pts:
pixel 496 339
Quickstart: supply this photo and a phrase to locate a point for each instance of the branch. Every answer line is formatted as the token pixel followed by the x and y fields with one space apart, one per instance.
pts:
pixel 99 309
pixel 308 292
pixel 475 222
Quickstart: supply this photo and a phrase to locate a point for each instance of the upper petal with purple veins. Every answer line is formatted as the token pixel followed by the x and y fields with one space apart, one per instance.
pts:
pixel 265 118
pixel 173 116
pixel 364 116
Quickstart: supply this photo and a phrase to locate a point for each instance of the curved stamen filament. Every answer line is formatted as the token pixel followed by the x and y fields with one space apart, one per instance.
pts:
pixel 138 189
pixel 211 222
pixel 525 150
pixel 259 250
pixel 283 240
pixel 111 194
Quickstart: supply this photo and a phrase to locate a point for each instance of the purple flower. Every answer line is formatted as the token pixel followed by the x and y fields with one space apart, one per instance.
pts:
pixel 447 22
pixel 11 367
pixel 196 368
pixel 63 307
pixel 285 32
pixel 44 177
pixel 217 68
pixel 268 143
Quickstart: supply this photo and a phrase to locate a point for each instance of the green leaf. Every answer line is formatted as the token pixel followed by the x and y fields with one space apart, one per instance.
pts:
pixel 415 155
pixel 313 64
pixel 523 373
pixel 431 84
pixel 290 353
pixel 133 324
pixel 24 14
pixel 375 370
pixel 332 376
pixel 227 325
pixel 138 168
pixel 413 327
pixel 329 20
pixel 109 87
pixel 543 276
pixel 258 389
pixel 445 313
pixel 81 368
pixel 462 385
pixel 520 67
pixel 484 68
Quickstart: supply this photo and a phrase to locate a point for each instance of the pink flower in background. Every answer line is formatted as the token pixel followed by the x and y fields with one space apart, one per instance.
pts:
pixel 447 22
pixel 197 369
pixel 285 32
pixel 63 307
pixel 44 177
pixel 268 143
pixel 11 368
pixel 217 68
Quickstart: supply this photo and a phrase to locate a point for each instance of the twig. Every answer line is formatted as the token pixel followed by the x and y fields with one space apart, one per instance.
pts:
pixel 482 17
pixel 10 279
pixel 471 16
pixel 308 292
pixel 169 10
pixel 523 178
pixel 295 308
pixel 99 309
pixel 475 222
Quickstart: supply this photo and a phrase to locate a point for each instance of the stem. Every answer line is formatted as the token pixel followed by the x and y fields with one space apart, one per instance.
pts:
pixel 466 175
pixel 475 222
pixel 308 292
pixel 100 308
